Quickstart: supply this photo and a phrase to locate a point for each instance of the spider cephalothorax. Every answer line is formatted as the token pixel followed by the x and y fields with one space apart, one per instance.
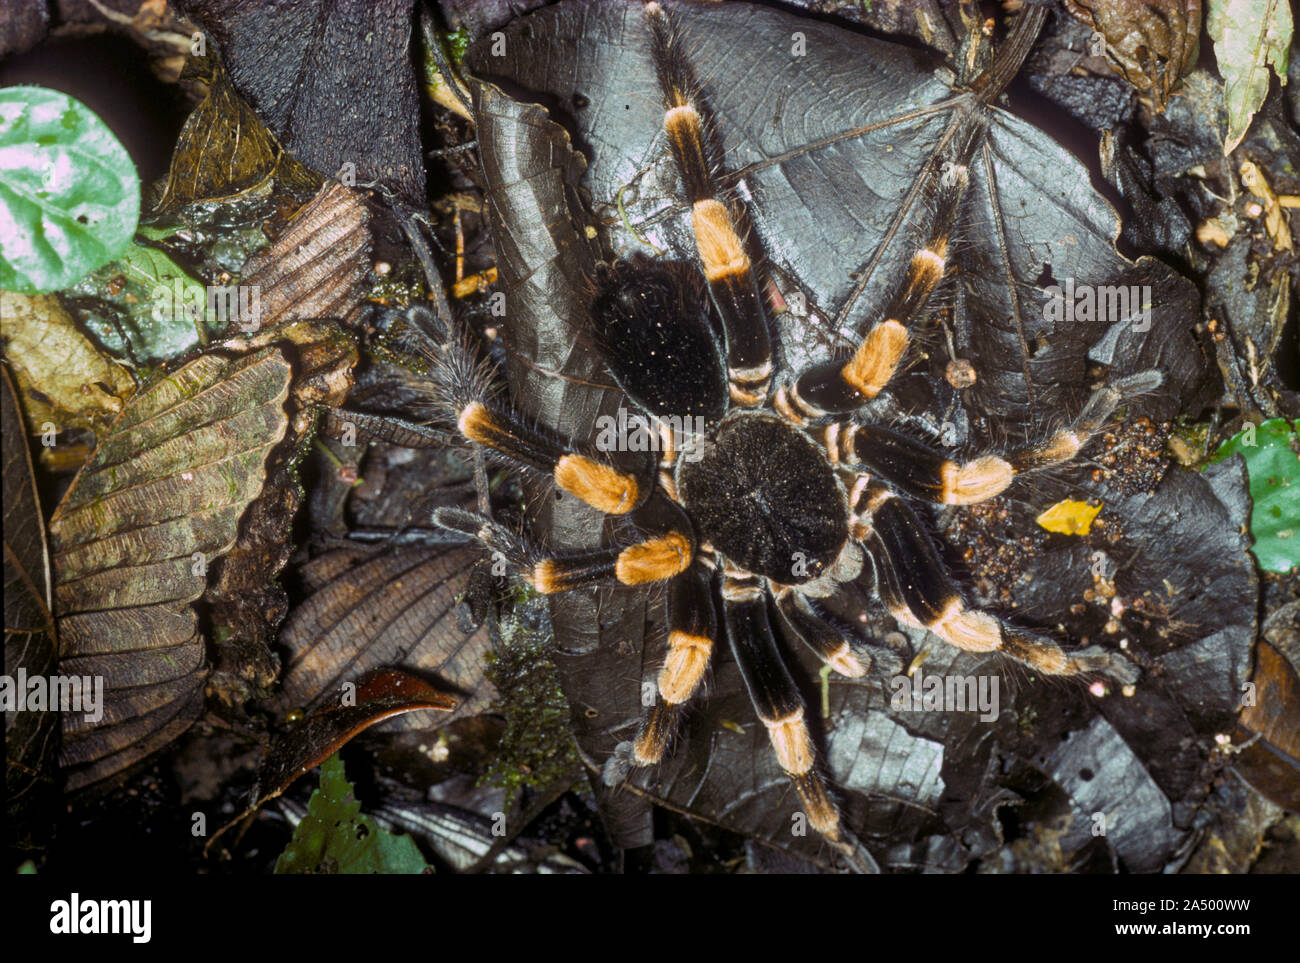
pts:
pixel 777 484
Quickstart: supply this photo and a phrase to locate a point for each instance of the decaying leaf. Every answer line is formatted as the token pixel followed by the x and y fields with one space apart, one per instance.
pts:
pixel 132 541
pixel 160 310
pixel 65 381
pixel 317 267
pixel 1250 36
pixel 1269 729
pixel 31 647
pixel 390 607
pixel 357 705
pixel 224 150
pixel 1152 43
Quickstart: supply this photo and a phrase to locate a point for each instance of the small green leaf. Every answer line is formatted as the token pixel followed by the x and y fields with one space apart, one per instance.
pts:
pixel 1274 470
pixel 69 194
pixel 1249 36
pixel 334 837
pixel 162 311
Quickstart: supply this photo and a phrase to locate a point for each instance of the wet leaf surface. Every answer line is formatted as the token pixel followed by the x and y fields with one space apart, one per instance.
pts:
pixel 161 310
pixel 224 149
pixel 829 150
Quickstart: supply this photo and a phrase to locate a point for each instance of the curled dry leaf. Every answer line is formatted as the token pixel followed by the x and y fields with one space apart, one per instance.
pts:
pixel 224 150
pixel 1151 42
pixel 64 380
pixel 358 705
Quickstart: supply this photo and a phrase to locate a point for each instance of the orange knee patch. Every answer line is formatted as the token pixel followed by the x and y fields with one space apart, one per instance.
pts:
pixel 877 359
pixel 975 481
pixel 547 577
pixel 793 745
pixel 688 657
pixel 656 560
pixel 600 486
pixel 843 661
pixel 477 424
pixel 721 253
pixel 967 629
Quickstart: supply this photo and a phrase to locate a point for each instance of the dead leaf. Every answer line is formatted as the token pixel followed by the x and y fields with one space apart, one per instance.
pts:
pixel 376 696
pixel 386 607
pixel 224 150
pixel 63 377
pixel 1151 42
pixel 158 502
pixel 31 738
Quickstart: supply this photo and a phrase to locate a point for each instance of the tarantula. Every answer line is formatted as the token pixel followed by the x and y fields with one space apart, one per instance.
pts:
pixel 779 487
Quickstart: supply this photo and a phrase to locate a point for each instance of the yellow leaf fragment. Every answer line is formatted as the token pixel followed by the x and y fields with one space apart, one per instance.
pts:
pixel 1069 517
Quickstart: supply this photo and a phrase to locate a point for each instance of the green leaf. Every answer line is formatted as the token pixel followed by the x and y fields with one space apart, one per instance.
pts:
pixel 161 313
pixel 334 837
pixel 1274 469
pixel 1249 36
pixel 69 194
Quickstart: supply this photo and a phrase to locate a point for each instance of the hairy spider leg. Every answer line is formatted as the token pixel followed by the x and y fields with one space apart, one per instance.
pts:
pixel 915 586
pixel 732 282
pixel 774 695
pixel 840 386
pixel 920 470
pixel 914 467
pixel 827 641
pixel 692 633
pixel 466 396
pixel 652 558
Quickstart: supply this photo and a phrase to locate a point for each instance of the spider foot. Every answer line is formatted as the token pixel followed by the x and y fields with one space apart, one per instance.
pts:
pixel 1097 659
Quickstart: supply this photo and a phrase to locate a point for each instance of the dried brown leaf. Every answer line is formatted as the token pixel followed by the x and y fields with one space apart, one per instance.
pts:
pixel 31 738
pixel 1151 42
pixel 160 498
pixel 64 380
